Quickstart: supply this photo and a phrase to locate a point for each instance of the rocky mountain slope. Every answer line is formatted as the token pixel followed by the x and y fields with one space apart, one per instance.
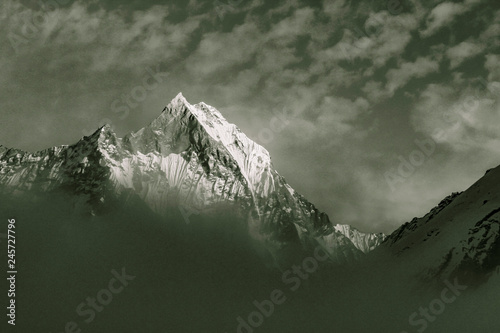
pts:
pixel 189 157
pixel 460 236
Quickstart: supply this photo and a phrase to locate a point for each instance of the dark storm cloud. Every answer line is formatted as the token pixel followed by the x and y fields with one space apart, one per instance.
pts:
pixel 353 85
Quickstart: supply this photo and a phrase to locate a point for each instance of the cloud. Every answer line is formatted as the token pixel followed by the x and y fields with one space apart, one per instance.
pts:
pixel 287 30
pixel 463 51
pixel 463 118
pixel 337 115
pixel 375 91
pixel 104 39
pixel 279 49
pixel 398 77
pixel 222 51
pixel 382 37
pixel 492 64
pixel 491 36
pixel 272 50
pixel 442 15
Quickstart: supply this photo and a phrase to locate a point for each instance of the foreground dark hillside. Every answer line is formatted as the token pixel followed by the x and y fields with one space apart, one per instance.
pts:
pixel 201 276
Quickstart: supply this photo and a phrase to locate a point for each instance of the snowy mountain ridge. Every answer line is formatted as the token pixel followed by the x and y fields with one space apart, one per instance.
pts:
pixel 191 156
pixel 366 242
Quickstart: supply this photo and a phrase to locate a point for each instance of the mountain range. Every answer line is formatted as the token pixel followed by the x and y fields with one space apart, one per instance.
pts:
pixel 189 158
pixel 154 197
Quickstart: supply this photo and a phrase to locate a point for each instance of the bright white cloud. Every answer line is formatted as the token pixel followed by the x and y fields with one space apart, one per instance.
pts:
pixel 442 15
pixel 399 77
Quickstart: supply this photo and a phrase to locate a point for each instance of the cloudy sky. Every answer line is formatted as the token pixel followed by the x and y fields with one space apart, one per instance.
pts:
pixel 373 110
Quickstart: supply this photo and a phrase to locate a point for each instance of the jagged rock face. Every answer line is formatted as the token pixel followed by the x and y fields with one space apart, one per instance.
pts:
pixel 79 168
pixel 189 156
pixel 477 254
pixel 365 242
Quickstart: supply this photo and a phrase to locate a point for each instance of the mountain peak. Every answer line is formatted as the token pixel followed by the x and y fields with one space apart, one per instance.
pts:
pixel 179 99
pixel 205 114
pixel 105 130
pixel 191 156
pixel 202 128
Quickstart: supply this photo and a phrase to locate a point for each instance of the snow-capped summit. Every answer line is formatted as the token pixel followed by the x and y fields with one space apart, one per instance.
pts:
pixel 190 156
